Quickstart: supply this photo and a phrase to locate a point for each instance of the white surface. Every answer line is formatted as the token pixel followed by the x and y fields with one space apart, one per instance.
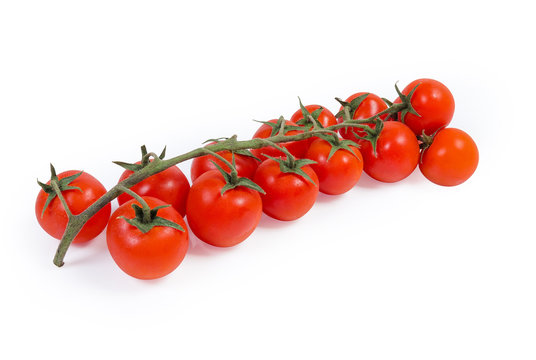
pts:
pixel 401 271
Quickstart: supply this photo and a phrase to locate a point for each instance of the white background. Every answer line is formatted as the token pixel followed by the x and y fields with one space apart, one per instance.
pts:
pixel 387 271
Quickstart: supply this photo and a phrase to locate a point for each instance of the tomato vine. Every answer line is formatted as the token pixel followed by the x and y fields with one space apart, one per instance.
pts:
pixel 154 164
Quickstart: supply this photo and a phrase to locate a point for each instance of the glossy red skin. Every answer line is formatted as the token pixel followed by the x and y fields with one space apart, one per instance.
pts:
pixel 371 106
pixel 218 220
pixel 434 103
pixel 150 255
pixel 451 159
pixel 341 172
pixel 245 165
pixel 397 153
pixel 296 148
pixel 54 220
pixel 288 196
pixel 170 186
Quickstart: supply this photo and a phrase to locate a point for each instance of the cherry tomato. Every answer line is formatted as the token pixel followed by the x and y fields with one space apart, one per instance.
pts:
pixel 149 255
pixel 54 219
pixel 397 153
pixel 434 103
pixel 451 158
pixel 222 220
pixel 296 148
pixel 288 196
pixel 170 186
pixel 370 106
pixel 245 165
pixel 325 118
pixel 338 174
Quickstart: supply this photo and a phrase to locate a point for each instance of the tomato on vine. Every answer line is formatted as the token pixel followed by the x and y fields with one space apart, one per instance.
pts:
pixel 246 163
pixel 360 106
pixel 432 106
pixel 312 116
pixel 280 127
pixel 223 209
pixel 324 117
pixel 147 238
pixel 339 164
pixel 170 185
pixel 449 157
pixel 395 154
pixel 291 187
pixel 79 190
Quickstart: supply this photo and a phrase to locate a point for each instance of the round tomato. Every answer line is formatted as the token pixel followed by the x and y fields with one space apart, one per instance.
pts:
pixel 369 107
pixel 54 219
pixel 149 255
pixel 170 186
pixel 296 148
pixel 288 196
pixel 338 174
pixel 450 159
pixel 397 153
pixel 325 118
pixel 245 165
pixel 222 220
pixel 434 103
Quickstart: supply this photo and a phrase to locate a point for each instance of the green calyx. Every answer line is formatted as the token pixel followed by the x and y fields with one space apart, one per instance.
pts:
pixel 232 180
pixel 147 218
pixel 310 119
pixel 350 107
pixel 145 160
pixel 63 185
pixel 371 134
pixel 279 127
pixel 426 141
pixel 338 144
pixel 293 165
pixel 406 100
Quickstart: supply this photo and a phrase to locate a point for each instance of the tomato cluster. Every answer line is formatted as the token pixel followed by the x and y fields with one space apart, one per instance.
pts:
pixel 147 236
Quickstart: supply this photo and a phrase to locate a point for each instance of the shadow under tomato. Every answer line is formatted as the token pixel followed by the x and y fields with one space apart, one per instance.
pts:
pixel 325 198
pixel 88 251
pixel 367 182
pixel 198 247
pixel 268 222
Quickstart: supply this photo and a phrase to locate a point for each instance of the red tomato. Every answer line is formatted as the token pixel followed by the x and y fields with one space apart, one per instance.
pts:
pixel 54 219
pixel 397 153
pixel 245 165
pixel 170 186
pixel 149 255
pixel 325 118
pixel 296 148
pixel 288 196
pixel 434 103
pixel 451 158
pixel 338 174
pixel 370 106
pixel 222 220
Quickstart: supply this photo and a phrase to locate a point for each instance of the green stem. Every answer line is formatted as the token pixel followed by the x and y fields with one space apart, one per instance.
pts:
pixel 57 190
pixel 232 168
pixel 144 206
pixel 290 158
